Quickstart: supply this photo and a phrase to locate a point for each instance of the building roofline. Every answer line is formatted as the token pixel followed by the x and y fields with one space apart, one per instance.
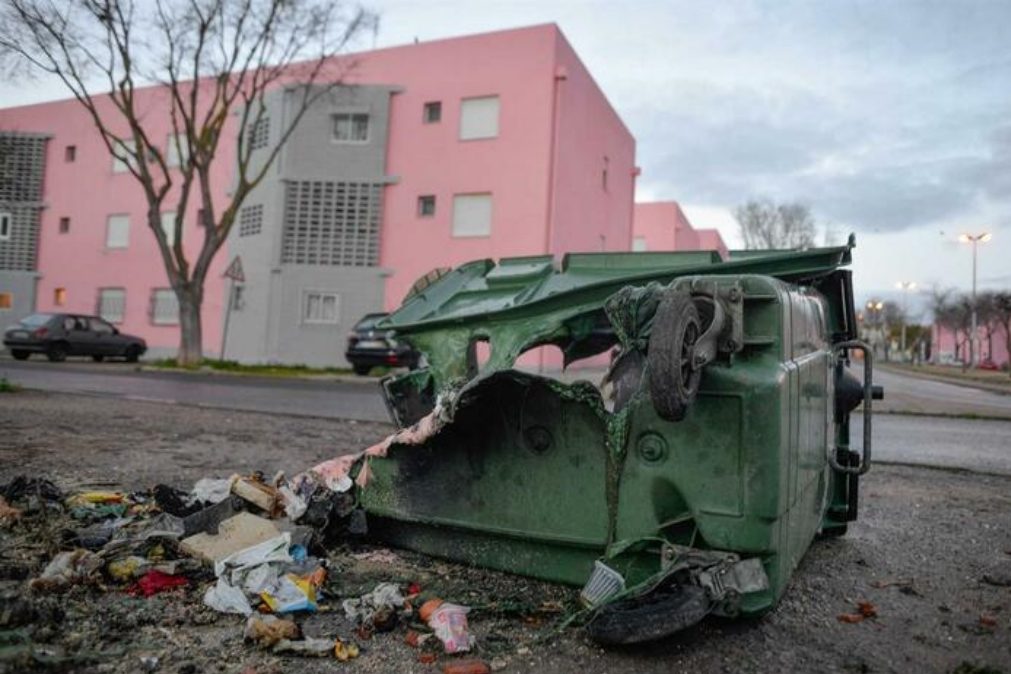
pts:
pixel 553 27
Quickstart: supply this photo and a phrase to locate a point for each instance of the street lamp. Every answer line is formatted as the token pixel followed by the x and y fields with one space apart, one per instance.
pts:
pixel 975 240
pixel 906 287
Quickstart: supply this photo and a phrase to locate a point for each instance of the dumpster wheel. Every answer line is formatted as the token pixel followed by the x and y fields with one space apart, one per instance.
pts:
pixel 673 379
pixel 659 614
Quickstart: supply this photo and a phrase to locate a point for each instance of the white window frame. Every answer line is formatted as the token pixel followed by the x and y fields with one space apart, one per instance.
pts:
pixel 321 294
pixel 168 223
pixel 460 204
pixel 164 320
pixel 6 225
pixel 351 114
pixel 639 244
pixel 174 159
pixel 101 305
pixel 469 129
pixel 125 243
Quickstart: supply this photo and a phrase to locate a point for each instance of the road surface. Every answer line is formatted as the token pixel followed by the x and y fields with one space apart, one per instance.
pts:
pixel 972 444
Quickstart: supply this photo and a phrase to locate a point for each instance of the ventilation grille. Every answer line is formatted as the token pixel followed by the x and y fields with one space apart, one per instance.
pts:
pixel 251 220
pixel 22 165
pixel 331 223
pixel 259 133
pixel 18 252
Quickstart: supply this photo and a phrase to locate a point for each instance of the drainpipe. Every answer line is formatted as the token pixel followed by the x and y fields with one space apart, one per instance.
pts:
pixel 561 74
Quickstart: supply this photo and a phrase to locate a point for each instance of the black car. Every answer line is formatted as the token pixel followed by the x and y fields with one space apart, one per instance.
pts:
pixel 61 335
pixel 369 346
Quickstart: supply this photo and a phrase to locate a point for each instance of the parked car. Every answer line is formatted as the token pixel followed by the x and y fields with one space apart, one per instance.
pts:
pixel 369 346
pixel 61 335
pixel 988 364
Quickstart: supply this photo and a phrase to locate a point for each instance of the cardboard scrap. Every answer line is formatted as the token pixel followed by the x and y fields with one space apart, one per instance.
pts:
pixel 234 534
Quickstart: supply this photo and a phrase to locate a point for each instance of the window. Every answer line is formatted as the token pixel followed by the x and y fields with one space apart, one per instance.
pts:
pixel 250 220
pixel 117 231
pixel 173 154
pixel 426 205
pixel 351 127
pixel 433 112
pixel 331 223
pixel 164 306
pixel 112 304
pixel 70 153
pixel 99 327
pixel 259 133
pixel 168 225
pixel 639 244
pixel 122 165
pixel 59 296
pixel 5 226
pixel 479 118
pixel 64 225
pixel 321 307
pixel 6 301
pixel 472 215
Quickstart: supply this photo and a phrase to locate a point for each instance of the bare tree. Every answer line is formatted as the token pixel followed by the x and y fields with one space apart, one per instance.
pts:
pixel 765 225
pixel 1002 317
pixel 213 62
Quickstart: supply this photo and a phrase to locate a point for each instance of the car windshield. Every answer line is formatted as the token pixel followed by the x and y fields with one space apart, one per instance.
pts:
pixel 36 320
pixel 369 321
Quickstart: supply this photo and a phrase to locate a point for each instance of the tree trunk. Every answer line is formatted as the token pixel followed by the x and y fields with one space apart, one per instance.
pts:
pixel 191 346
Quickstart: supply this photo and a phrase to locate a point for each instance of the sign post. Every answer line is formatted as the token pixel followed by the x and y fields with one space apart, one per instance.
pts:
pixel 233 273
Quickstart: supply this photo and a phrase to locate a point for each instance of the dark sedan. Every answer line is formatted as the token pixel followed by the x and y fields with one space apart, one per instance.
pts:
pixel 369 346
pixel 61 335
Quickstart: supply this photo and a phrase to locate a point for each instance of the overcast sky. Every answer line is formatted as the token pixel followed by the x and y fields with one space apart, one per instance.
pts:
pixel 889 119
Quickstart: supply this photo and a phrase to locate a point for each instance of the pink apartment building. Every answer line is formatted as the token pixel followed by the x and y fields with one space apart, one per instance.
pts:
pixel 662 225
pixel 431 155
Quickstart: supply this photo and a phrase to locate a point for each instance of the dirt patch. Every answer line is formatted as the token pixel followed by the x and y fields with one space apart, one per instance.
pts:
pixel 925 553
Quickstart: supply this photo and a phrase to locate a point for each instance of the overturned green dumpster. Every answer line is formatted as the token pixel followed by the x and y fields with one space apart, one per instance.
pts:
pixel 692 482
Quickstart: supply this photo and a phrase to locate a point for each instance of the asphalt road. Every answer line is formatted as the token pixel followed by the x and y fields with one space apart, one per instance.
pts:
pixel 971 444
pixel 358 400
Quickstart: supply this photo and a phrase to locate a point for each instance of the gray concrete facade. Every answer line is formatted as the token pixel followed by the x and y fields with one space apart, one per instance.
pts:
pixel 22 169
pixel 308 235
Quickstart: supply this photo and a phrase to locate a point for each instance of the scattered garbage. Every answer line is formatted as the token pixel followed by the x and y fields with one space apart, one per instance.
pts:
pixel 865 610
pixel 259 494
pixel 291 593
pixel 153 582
pixel 267 630
pixel 8 514
pixel 449 622
pixel 466 667
pixel 225 598
pixel 67 569
pixel 308 646
pixel 376 611
pixel 235 534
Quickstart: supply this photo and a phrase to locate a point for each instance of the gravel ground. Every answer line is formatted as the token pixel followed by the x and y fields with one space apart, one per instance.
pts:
pixel 932 552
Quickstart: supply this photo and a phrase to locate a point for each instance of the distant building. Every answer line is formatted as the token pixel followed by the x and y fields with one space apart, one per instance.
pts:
pixel 433 154
pixel 662 225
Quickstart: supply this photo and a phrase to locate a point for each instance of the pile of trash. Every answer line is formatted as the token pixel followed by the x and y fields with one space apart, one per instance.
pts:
pixel 245 545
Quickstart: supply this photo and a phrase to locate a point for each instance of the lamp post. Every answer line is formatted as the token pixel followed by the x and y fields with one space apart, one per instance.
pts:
pixel 905 287
pixel 975 240
pixel 874 308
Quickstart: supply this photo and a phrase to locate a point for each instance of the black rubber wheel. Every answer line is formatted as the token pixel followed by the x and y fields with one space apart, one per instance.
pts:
pixel 19 354
pixel 673 383
pixel 659 614
pixel 57 353
pixel 98 358
pixel 132 354
pixel 361 370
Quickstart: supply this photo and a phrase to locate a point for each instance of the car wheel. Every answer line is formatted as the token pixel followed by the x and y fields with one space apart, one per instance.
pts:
pixel 19 354
pixel 361 370
pixel 132 354
pixel 98 358
pixel 57 352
